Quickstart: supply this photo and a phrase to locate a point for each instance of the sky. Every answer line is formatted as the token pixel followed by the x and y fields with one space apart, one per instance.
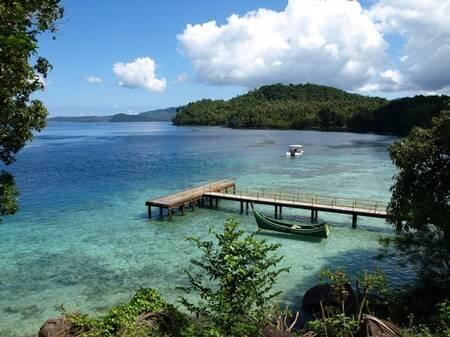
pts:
pixel 112 56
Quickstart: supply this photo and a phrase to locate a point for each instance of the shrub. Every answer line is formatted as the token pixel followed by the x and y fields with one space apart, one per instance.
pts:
pixel 147 314
pixel 235 281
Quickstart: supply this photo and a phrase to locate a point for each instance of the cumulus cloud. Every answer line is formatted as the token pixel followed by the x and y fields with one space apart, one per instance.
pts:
pixel 425 26
pixel 333 42
pixel 139 74
pixel 390 80
pixel 94 79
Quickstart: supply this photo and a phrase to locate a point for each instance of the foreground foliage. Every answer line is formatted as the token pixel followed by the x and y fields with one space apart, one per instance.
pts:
pixel 147 314
pixel 347 318
pixel 419 207
pixel 22 72
pixel 234 280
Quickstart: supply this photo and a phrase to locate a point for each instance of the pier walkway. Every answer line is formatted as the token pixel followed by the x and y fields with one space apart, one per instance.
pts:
pixel 190 197
pixel 210 194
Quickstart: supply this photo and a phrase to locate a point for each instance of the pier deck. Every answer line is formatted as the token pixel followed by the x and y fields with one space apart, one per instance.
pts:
pixel 189 197
pixel 226 190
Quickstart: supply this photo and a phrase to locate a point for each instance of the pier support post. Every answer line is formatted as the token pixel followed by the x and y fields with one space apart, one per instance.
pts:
pixel 217 202
pixel 276 212
pixel 246 207
pixel 170 213
pixel 354 221
pixel 149 212
pixel 316 215
pixel 160 212
pixel 242 207
pixel 182 209
pixel 281 212
pixel 312 215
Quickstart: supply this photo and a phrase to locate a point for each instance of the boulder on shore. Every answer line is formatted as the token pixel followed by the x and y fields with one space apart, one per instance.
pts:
pixel 322 293
pixel 57 327
pixel 273 332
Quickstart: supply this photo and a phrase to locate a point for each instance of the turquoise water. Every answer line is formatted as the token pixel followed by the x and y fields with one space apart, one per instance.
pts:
pixel 82 238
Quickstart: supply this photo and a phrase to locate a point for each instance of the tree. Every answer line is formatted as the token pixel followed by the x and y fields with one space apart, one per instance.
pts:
pixel 419 207
pixel 22 72
pixel 240 272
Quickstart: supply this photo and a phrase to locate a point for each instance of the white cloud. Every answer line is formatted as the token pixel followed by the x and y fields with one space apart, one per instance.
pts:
pixel 333 42
pixel 390 80
pixel 94 79
pixel 139 74
pixel 183 77
pixel 425 26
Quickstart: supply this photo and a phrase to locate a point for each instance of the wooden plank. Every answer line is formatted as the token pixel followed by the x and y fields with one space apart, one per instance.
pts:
pixel 183 197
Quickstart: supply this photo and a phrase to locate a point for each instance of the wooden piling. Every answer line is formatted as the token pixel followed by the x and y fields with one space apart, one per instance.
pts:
pixel 242 207
pixel 354 220
pixel 149 212
pixel 276 211
pixel 281 212
pixel 246 207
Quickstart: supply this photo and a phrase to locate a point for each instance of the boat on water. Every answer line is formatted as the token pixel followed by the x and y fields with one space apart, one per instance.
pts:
pixel 294 151
pixel 321 231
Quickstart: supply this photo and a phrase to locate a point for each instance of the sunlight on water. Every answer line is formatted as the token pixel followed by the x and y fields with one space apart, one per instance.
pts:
pixel 82 238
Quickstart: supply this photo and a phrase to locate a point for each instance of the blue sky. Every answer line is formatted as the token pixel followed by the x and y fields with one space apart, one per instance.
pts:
pixel 95 35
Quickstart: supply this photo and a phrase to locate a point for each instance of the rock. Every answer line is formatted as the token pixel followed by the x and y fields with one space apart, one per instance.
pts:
pixel 58 327
pixel 273 332
pixel 324 293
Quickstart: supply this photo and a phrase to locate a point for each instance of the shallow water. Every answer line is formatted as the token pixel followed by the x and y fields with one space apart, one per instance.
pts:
pixel 82 238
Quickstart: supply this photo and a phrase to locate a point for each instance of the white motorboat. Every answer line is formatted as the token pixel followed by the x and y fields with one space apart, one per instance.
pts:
pixel 295 151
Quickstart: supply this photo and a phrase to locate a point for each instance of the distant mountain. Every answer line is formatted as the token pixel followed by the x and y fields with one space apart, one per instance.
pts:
pixel 160 115
pixel 311 106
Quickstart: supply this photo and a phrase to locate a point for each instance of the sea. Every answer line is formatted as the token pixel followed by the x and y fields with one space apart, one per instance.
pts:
pixel 82 238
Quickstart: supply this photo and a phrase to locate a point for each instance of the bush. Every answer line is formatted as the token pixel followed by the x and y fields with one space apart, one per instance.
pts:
pixel 235 281
pixel 346 319
pixel 147 314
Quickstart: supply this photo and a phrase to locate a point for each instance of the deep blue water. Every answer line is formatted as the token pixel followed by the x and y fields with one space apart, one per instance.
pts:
pixel 82 238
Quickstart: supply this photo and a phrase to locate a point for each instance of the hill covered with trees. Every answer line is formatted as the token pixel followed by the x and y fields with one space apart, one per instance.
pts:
pixel 160 115
pixel 310 106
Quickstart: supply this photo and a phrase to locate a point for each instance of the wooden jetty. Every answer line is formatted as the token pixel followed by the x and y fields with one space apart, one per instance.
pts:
pixel 190 197
pixel 226 190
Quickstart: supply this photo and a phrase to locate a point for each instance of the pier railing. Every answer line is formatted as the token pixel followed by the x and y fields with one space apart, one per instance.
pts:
pixel 315 199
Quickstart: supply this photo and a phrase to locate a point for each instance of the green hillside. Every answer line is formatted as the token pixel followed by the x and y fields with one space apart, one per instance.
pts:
pixel 310 106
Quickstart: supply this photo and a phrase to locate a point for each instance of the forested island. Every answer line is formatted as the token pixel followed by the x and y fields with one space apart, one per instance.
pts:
pixel 310 106
pixel 159 115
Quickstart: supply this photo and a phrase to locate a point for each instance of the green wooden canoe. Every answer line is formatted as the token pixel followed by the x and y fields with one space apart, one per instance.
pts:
pixel 316 231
